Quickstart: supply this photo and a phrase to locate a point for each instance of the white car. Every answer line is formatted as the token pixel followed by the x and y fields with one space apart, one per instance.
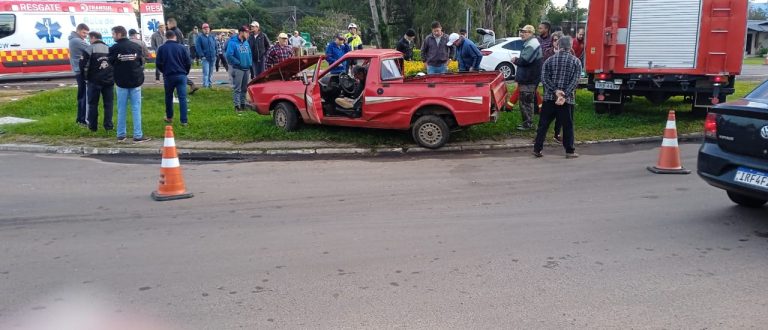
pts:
pixel 498 56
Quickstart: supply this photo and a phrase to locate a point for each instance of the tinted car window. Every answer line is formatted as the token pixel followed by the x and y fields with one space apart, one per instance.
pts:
pixel 759 93
pixel 514 45
pixel 498 41
pixel 7 25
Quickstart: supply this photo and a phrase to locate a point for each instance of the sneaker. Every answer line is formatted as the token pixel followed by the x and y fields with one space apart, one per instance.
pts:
pixel 523 127
pixel 558 139
pixel 168 120
pixel 571 155
pixel 82 124
pixel 538 154
pixel 121 139
pixel 194 90
pixel 141 139
pixel 184 124
pixel 93 129
pixel 239 110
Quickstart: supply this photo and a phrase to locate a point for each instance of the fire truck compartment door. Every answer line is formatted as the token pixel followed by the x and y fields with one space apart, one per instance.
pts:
pixel 663 34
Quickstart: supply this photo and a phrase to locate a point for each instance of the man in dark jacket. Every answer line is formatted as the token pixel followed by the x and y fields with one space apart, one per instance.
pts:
pixel 171 25
pixel 334 51
pixel 205 44
pixel 545 39
pixel 77 45
pixel 128 61
pixel 174 62
pixel 528 75
pixel 259 44
pixel 467 53
pixel 96 70
pixel 435 50
pixel 405 45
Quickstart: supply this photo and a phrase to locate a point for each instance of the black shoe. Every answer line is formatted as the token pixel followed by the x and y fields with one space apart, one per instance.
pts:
pixel 537 154
pixel 82 124
pixel 194 89
pixel 558 139
pixel 141 139
pixel 121 139
pixel 93 129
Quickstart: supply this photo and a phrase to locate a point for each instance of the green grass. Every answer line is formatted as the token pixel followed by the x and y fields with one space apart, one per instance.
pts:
pixel 754 60
pixel 212 118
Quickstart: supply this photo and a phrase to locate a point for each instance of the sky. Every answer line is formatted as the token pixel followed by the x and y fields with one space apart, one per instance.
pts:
pixel 582 3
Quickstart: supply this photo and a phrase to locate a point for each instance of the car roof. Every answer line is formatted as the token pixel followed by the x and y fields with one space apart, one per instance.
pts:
pixel 508 40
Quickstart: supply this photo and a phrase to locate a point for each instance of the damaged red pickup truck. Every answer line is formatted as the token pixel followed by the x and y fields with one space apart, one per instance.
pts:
pixel 367 88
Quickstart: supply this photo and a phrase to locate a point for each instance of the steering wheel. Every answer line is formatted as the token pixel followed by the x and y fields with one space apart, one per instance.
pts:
pixel 347 83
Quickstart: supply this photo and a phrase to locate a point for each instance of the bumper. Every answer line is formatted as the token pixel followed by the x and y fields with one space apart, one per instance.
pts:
pixel 718 168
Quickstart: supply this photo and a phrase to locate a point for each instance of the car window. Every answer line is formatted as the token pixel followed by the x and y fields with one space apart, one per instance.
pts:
pixel 390 70
pixel 759 93
pixel 7 25
pixel 498 41
pixel 514 45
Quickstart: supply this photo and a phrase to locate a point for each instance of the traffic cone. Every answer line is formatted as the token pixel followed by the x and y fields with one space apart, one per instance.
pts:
pixel 171 181
pixel 669 155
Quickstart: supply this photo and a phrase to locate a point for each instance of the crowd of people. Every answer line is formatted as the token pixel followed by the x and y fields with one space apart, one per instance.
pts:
pixel 551 59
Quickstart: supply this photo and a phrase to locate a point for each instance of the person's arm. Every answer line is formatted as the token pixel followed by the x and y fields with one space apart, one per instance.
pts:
pixel 160 60
pixel 478 58
pixel 153 42
pixel 330 57
pixel 231 55
pixel 424 49
pixel 271 58
pixel 527 58
pixel 546 80
pixel 573 82
pixel 84 64
pixel 199 45
pixel 187 62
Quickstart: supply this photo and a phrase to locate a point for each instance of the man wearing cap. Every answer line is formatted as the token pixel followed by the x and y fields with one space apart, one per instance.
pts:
pixel 435 50
pixel 335 50
pixel 281 51
pixel 528 75
pixel 205 44
pixel 259 44
pixel 136 37
pixel 560 77
pixel 297 43
pixel 467 53
pixel 174 62
pixel 240 62
pixel 158 39
pixel 353 37
pixel 405 45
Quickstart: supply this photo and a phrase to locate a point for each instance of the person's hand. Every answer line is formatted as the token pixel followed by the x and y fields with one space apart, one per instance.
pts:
pixel 513 59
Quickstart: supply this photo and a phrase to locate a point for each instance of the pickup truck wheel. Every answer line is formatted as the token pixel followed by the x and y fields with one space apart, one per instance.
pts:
pixel 430 132
pixel 507 69
pixel 746 200
pixel 285 116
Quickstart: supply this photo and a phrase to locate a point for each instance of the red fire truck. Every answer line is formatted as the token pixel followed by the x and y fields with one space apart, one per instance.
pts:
pixel 661 48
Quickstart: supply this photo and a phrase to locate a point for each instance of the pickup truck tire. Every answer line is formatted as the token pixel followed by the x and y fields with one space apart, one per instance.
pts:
pixel 507 69
pixel 430 131
pixel 285 116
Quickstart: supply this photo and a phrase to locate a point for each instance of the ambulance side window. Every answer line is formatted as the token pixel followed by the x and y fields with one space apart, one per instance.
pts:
pixel 7 25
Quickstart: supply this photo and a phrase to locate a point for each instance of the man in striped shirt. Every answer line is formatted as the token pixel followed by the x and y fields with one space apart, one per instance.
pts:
pixel 560 77
pixel 279 52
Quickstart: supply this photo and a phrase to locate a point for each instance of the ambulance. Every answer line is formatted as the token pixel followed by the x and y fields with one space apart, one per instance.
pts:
pixel 34 35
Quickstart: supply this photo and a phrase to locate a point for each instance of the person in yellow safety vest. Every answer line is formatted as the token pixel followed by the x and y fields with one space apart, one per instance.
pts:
pixel 353 38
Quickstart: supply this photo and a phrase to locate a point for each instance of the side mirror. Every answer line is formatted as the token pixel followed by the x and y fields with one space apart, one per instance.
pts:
pixel 304 78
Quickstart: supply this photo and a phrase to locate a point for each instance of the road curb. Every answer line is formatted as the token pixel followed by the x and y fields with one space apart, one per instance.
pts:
pixel 323 151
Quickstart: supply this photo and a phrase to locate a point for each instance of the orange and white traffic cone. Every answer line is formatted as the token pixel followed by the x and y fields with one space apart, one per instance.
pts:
pixel 171 181
pixel 669 155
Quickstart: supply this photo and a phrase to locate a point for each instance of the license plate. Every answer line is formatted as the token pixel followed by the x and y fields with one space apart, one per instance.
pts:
pixel 606 85
pixel 751 177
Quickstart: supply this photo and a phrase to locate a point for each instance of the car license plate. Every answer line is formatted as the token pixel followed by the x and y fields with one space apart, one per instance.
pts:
pixel 751 177
pixel 605 85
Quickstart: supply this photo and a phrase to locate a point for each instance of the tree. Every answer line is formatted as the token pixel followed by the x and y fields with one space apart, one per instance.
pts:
pixel 757 13
pixel 188 13
pixel 323 28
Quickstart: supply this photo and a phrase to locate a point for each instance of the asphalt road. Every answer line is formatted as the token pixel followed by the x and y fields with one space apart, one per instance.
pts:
pixel 483 241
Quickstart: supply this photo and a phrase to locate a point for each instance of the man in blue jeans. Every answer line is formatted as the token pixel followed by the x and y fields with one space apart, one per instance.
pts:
pixel 240 61
pixel 174 62
pixel 435 50
pixel 205 45
pixel 127 59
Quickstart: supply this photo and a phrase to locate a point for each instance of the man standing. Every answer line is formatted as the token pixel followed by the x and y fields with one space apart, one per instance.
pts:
pixel 528 75
pixel 171 25
pixel 96 70
pixel 405 45
pixel 353 37
pixel 259 44
pixel 174 62
pixel 334 51
pixel 239 57
pixel 545 39
pixel 157 40
pixel 192 47
pixel 467 53
pixel 136 37
pixel 578 44
pixel 77 45
pixel 281 51
pixel 128 62
pixel 206 50
pixel 560 77
pixel 435 50
pixel 221 46
pixel 297 43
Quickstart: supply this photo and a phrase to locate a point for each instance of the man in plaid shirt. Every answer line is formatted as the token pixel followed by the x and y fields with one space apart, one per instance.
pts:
pixel 279 52
pixel 560 77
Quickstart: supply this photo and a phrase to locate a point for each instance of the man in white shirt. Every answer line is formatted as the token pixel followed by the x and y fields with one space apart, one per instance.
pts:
pixel 297 42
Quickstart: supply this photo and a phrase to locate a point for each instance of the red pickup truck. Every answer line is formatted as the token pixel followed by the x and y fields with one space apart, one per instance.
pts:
pixel 367 88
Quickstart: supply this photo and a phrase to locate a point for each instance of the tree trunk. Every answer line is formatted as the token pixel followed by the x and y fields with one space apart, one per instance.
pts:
pixel 488 13
pixel 375 17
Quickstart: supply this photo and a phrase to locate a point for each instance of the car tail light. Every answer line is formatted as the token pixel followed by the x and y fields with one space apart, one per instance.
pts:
pixel 710 126
pixel 486 52
pixel 719 79
pixel 603 76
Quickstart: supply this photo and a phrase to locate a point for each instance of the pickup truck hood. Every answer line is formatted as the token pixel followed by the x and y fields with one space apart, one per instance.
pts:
pixel 287 68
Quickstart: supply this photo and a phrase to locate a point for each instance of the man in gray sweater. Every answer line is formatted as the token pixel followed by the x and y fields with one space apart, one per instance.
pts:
pixel 77 45
pixel 157 40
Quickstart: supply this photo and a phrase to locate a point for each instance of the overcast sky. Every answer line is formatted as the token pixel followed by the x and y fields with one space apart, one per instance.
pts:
pixel 582 3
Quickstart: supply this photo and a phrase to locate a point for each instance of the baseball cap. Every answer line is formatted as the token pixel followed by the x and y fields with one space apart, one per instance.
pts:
pixel 339 36
pixel 254 23
pixel 452 38
pixel 528 28
pixel 132 32
pixel 205 25
pixel 410 33
pixel 282 35
pixel 243 28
